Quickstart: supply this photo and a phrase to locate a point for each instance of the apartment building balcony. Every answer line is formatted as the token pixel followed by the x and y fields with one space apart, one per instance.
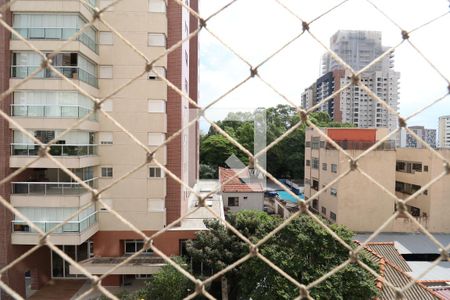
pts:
pixel 71 155
pixel 72 65
pixel 72 233
pixel 65 6
pixel 42 37
pixel 48 189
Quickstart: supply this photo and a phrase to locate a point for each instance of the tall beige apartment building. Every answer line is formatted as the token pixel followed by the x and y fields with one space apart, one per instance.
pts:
pixel 97 150
pixel 444 132
pixel 358 203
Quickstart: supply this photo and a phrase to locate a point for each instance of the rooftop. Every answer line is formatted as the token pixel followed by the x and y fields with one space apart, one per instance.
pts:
pixel 240 184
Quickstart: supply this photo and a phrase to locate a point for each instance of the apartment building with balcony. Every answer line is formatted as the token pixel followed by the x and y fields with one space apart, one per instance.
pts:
pixel 96 150
pixel 358 203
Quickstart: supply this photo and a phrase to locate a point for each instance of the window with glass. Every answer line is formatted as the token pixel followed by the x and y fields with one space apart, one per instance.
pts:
pixel 54 27
pixel 333 192
pixel 71 65
pixel 155 172
pixel 315 143
pixel 46 218
pixel 324 166
pixel 315 163
pixel 133 246
pixel 334 168
pixel 233 201
pixel 107 172
pixel 54 104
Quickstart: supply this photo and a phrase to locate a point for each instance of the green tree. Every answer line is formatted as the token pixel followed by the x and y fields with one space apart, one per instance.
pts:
pixel 167 284
pixel 303 249
pixel 284 160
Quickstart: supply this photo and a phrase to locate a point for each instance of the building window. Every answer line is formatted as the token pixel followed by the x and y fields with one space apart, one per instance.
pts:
pixel 156 40
pixel 133 246
pixel 333 192
pixel 324 166
pixel 308 162
pixel 160 70
pixel 425 168
pixel 106 138
pixel 233 201
pixel 333 168
pixel 155 172
pixel 332 216
pixel 315 163
pixel 315 184
pixel 417 167
pixel 406 188
pixel 105 72
pixel 307 144
pixel 105 37
pixel 157 6
pixel 324 211
pixel 156 139
pixel 315 143
pixel 107 172
pixel 156 106
pixel 107 105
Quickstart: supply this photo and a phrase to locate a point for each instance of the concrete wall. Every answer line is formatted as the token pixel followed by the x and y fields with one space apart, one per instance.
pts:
pixel 247 201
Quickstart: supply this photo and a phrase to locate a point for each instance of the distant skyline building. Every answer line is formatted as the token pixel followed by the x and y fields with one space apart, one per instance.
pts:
pixel 444 131
pixel 408 141
pixel 358 49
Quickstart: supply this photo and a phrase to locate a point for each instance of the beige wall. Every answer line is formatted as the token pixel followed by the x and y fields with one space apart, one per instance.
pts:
pixel 254 201
pixel 362 206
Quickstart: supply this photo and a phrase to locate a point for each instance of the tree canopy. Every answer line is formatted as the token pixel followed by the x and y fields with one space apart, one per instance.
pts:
pixel 284 160
pixel 303 249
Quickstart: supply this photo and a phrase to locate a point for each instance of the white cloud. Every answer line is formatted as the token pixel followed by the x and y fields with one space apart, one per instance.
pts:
pixel 257 28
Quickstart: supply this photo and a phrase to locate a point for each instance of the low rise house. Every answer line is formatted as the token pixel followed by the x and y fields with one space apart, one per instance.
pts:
pixel 242 192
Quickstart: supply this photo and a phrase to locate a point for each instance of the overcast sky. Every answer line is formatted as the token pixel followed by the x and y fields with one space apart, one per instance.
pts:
pixel 257 28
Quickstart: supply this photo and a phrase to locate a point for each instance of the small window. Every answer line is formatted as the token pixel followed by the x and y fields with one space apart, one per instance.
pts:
pixel 156 106
pixel 156 40
pixel 233 201
pixel 160 70
pixel 107 105
pixel 155 172
pixel 105 38
pixel 425 168
pixel 333 168
pixel 157 6
pixel 333 192
pixel 106 138
pixel 315 163
pixel 105 72
pixel 308 144
pixel 332 216
pixel 156 139
pixel 308 162
pixel 324 211
pixel 107 172
pixel 417 167
pixel 324 166
pixel 133 246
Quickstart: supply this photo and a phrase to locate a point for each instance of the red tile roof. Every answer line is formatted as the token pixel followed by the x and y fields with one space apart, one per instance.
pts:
pixel 240 183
